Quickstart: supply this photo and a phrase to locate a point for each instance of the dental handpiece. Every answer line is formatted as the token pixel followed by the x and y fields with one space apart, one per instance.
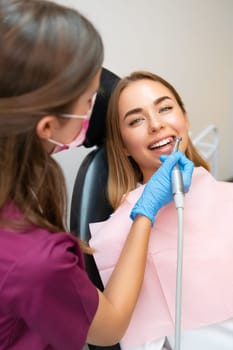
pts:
pixel 178 195
pixel 177 180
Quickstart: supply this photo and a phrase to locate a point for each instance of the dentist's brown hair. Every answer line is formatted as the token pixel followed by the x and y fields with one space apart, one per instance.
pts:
pixel 49 54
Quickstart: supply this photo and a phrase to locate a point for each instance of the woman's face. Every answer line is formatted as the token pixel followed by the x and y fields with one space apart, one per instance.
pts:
pixel 150 120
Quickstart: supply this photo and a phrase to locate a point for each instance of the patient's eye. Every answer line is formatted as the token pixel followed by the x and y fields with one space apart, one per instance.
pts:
pixel 165 109
pixel 136 120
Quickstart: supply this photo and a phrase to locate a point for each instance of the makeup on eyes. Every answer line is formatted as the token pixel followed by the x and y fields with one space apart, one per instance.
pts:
pixel 139 110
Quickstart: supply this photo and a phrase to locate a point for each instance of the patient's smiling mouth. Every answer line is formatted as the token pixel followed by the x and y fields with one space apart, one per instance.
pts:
pixel 161 143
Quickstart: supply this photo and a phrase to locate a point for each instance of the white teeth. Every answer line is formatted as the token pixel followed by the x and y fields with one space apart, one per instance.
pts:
pixel 161 143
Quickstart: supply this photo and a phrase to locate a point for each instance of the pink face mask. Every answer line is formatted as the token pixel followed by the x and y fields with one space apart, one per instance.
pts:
pixel 81 135
pixel 75 143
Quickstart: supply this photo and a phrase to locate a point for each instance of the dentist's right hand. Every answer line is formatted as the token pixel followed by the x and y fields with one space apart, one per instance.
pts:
pixel 158 190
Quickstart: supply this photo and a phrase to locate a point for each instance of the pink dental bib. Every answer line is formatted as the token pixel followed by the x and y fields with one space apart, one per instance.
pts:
pixel 207 295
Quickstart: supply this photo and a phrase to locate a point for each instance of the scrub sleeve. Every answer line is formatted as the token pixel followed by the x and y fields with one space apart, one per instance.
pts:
pixel 48 288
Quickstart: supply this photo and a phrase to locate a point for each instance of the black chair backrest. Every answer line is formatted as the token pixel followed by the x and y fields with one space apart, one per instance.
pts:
pixel 89 202
pixel 89 199
pixel 97 128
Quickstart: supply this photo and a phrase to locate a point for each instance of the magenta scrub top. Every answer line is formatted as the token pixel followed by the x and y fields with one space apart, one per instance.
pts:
pixel 46 299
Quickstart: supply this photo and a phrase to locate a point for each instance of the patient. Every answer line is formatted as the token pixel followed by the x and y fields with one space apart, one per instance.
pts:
pixel 145 115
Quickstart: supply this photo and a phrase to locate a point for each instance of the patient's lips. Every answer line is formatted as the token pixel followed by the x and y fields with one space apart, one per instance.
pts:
pixel 163 146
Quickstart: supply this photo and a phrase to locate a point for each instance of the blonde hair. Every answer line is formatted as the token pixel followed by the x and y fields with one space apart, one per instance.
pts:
pixel 124 172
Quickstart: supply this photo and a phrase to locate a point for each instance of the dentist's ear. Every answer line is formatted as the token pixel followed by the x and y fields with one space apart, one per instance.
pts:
pixel 46 126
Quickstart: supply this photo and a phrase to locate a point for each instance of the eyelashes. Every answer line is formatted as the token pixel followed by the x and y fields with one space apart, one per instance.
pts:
pixel 165 109
pixel 136 120
pixel 139 118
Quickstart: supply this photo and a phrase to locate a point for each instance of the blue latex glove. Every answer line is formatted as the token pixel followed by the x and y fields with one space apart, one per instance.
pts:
pixel 158 190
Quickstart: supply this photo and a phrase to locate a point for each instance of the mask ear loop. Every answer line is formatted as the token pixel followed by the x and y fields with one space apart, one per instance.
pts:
pixel 70 116
pixel 55 142
pixel 75 116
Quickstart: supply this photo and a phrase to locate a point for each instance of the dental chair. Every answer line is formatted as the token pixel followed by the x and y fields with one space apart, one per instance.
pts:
pixel 89 201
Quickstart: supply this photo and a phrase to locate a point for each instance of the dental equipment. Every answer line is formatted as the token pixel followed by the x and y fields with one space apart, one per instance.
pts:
pixel 178 194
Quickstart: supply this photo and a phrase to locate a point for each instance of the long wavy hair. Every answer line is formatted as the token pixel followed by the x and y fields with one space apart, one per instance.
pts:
pixel 124 173
pixel 49 54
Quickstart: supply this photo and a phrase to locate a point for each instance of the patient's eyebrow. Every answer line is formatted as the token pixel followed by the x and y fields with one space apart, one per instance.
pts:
pixel 132 111
pixel 161 99
pixel 138 110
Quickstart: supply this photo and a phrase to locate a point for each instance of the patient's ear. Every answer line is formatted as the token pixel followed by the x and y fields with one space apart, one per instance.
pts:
pixel 187 122
pixel 46 126
pixel 126 153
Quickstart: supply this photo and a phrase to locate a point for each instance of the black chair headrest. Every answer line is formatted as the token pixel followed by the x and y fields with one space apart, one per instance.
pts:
pixel 96 131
